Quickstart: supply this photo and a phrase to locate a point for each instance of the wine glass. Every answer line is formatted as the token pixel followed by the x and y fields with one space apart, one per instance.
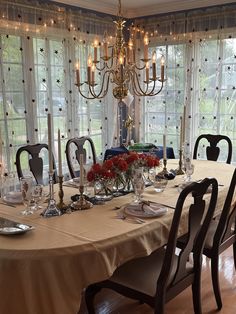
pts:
pixel 26 184
pixel 189 169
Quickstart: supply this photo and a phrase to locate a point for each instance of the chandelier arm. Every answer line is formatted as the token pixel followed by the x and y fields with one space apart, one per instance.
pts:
pixel 162 84
pixel 102 90
pixel 89 98
pixel 144 93
pixel 134 87
pixel 138 68
pixel 101 69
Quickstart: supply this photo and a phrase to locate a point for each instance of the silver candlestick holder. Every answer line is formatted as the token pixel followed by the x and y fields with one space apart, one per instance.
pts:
pixel 81 203
pixel 52 210
pixel 164 170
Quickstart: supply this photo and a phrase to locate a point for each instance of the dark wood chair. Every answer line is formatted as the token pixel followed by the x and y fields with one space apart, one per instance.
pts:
pixel 80 148
pixel 159 277
pixel 213 151
pixel 221 235
pixel 35 161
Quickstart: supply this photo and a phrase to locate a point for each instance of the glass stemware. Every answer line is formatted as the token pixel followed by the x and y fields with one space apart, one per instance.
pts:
pixel 26 184
pixel 38 196
pixel 138 184
pixel 189 169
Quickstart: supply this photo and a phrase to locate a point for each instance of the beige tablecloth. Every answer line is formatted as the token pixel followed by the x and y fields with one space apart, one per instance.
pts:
pixel 44 271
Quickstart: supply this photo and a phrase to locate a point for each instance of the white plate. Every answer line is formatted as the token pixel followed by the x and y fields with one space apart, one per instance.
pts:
pixel 147 212
pixel 10 200
pixel 8 227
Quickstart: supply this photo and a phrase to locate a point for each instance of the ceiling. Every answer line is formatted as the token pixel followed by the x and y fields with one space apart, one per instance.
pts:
pixel 138 8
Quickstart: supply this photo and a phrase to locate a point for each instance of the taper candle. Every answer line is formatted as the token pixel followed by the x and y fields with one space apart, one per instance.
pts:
pixel 184 125
pixel 59 154
pixel 81 175
pixel 164 146
pixel 50 143
pixel 181 134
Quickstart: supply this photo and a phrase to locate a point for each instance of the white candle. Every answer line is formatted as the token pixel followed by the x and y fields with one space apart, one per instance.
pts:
pixel 0 148
pixel 164 146
pixel 50 143
pixel 81 163
pixel 59 154
pixel 181 134
pixel 184 122
pixel 145 47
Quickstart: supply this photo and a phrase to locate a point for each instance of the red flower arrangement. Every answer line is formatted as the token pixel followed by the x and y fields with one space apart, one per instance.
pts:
pixel 112 168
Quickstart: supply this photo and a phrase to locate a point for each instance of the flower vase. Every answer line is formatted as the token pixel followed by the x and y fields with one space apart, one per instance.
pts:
pixel 128 182
pixel 119 185
pixel 103 190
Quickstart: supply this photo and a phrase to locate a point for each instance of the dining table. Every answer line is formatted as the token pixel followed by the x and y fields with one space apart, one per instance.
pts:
pixel 45 270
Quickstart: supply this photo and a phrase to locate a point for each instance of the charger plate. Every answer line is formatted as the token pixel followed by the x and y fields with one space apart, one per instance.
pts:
pixel 9 227
pixel 145 211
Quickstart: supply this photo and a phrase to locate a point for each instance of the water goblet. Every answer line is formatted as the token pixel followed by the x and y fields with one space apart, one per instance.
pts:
pixel 26 184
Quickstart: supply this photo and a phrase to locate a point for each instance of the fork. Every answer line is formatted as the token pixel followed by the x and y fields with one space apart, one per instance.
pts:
pixel 131 219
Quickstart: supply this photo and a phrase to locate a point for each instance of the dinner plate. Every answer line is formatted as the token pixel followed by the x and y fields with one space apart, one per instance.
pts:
pixel 146 211
pixel 9 227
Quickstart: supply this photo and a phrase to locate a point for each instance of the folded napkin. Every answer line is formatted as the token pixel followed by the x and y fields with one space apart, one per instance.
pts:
pixel 148 209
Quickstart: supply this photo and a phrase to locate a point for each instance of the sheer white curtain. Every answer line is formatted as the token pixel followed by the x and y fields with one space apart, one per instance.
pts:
pixel 40 44
pixel 200 51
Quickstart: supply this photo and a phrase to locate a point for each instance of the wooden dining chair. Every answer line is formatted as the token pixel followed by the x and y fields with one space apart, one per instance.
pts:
pixel 159 277
pixel 35 161
pixel 221 235
pixel 79 145
pixel 213 151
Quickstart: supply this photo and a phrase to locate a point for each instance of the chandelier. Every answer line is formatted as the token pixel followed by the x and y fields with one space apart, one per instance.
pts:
pixel 118 66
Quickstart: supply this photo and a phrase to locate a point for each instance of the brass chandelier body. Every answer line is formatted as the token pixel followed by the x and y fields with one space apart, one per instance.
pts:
pixel 120 68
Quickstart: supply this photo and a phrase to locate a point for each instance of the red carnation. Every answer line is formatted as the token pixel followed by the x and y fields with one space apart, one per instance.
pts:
pixel 90 176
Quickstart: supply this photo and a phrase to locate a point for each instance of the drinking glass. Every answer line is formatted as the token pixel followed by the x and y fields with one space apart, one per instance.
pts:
pixel 160 183
pixel 26 184
pixel 37 196
pixel 138 184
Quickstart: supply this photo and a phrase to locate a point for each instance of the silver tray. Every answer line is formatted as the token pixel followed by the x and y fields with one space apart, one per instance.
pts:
pixel 9 227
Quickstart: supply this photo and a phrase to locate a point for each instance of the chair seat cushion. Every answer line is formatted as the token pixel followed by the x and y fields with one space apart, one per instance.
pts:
pixel 150 266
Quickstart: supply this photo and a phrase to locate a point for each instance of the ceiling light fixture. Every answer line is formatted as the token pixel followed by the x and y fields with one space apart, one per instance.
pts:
pixel 121 68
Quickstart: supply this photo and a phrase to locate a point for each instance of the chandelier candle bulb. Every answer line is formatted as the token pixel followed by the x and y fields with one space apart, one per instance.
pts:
pixel 50 142
pixel 89 68
pixel 77 73
pixel 95 51
pixel 81 174
pixel 164 147
pixel 147 72
pixel 59 154
pixel 154 58
pixel 93 74
pixel 145 48
pixel 130 51
pixel 105 46
pixel 162 68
